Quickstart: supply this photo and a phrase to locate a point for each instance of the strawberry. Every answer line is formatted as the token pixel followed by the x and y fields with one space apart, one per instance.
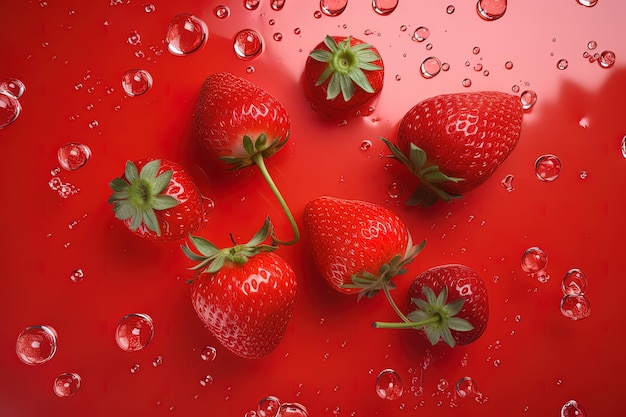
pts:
pixel 244 295
pixel 358 247
pixel 241 124
pixel 453 142
pixel 342 74
pixel 448 303
pixel 157 200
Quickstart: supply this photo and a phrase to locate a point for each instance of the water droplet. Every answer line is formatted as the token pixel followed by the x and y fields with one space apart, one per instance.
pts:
pixel 221 11
pixel 478 67
pixel 208 353
pixel 466 82
pixel 515 88
pixel 430 67
pixel 333 7
pixel 206 380
pixel 508 65
pixel 36 344
pixel 389 385
pixel 365 145
pixel 384 7
pixel 292 410
pixel 443 384
pixel 186 34
pixel 420 34
pixel 445 66
pixel 547 167
pixel 72 156
pixel 591 45
pixel 491 9
pixel 149 8
pixel 278 36
pixel 574 282
pixel 394 190
pixel 562 64
pixel 450 9
pixel 476 50
pixel 136 82
pixel 507 182
pixel 248 44
pixel 134 332
pixel 583 175
pixel 607 59
pixel 528 99
pixel 135 368
pixel 572 408
pixel 278 5
pixel 158 361
pixel 541 276
pixel 134 38
pixel 12 87
pixel 66 384
pixel 575 306
pixel 251 4
pixel 534 259
pixel 10 109
pixel 268 407
pixel 317 14
pixel 77 275
pixel 250 413
pixel 587 3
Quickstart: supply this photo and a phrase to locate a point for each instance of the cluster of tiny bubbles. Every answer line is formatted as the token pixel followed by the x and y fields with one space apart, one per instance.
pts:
pixel 251 4
pixel 186 34
pixel 36 344
pixel 507 182
pixel 420 34
pixel 66 384
pixel 573 408
pixel 333 7
pixel 491 9
pixel 430 67
pixel 547 167
pixel 73 156
pixel 384 7
pixel 64 190
pixel 134 332
pixel 528 99
pixel 11 89
pixel 574 303
pixel 136 82
pixel 389 385
pixel 587 3
pixel 247 44
pixel 221 11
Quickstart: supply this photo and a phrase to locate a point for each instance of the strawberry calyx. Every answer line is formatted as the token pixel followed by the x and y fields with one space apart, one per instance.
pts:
pixel 429 190
pixel 138 194
pixel 435 316
pixel 370 284
pixel 211 259
pixel 345 67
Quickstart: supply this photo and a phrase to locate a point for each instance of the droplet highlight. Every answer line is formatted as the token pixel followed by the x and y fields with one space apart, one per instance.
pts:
pixel 66 384
pixel 247 44
pixel 466 387
pixel 389 385
pixel 134 332
pixel 186 34
pixel 277 5
pixel 36 344
pixel 136 82
pixel 507 182
pixel 547 167
pixel 587 3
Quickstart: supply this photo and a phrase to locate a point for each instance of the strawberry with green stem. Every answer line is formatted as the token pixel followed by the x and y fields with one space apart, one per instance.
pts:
pixel 240 124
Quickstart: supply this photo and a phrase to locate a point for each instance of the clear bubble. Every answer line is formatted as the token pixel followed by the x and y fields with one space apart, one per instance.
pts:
pixel 135 368
pixel 574 282
pixel 278 5
pixel 528 99
pixel 73 155
pixel 333 7
pixel 268 407
pixel 507 182
pixel 430 67
pixel 149 8
pixel 575 306
pixel 547 167
pixel 478 67
pixel 587 3
pixel 136 82
pixel 317 14
pixel 394 190
pixel 36 344
pixel 534 259
pixel 157 361
pixel 466 82
pixel 134 38
pixel 10 109
pixel 278 36
pixel 77 275
pixel 541 276
pixel 607 59
pixel 12 87
pixel 251 4
pixel 292 410
pixel 591 45
pixel 66 384
pixel 248 44
pixel 206 380
pixel 365 145
pixel 420 34
pixel 450 9
pixel 186 34
pixel 445 66
pixel 389 385
pixel 134 332
pixel 562 64
pixel 384 7
pixel 208 353
pixel 491 9
pixel 221 11
pixel 572 408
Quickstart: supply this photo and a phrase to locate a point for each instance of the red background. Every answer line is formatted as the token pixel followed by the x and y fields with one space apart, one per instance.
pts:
pixel 330 356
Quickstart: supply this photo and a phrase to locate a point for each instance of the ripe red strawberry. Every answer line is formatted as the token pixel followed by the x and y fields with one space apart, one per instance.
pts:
pixel 157 200
pixel 453 142
pixel 448 303
pixel 342 74
pixel 245 295
pixel 238 122
pixel 358 246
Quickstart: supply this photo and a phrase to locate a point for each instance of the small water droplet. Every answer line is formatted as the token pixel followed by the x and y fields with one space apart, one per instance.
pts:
pixel 450 9
pixel 10 109
pixel 445 66
pixel 251 4
pixel 277 5
pixel 587 3
pixel 466 82
pixel 77 275
pixel 134 332
pixel 186 33
pixel 268 407
pixel 430 67
pixel 134 38
pixel 420 34
pixel 73 155
pixel 583 175
pixel 206 380
pixel 607 59
pixel 317 14
pixel 562 64
pixel 36 344
pixel 575 306
pixel 591 45
pixel 278 36
pixel 12 87
pixel 534 259
pixel 66 384
pixel 515 89
pixel 135 368
pixel 221 11
pixel 507 182
pixel 548 167
pixel 158 361
pixel 389 385
pixel 573 408
pixel 478 67
pixel 394 190
pixel 333 7
pixel 491 9
pixel 208 353
pixel 574 282
pixel 542 276
pixel 365 145
pixel 384 7
pixel 476 50
pixel 466 387
pixel 508 65
pixel 528 99
pixel 248 44
pixel 136 82
pixel 149 8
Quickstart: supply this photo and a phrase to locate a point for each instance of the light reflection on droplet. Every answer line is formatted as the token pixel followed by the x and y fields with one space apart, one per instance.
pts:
pixel 575 306
pixel 587 3
pixel 389 385
pixel 136 82
pixel 72 156
pixel 450 9
pixel 430 67
pixel 206 380
pixel 247 44
pixel 36 344
pixel 623 146
pixel 384 7
pixel 534 259
pixel 491 9
pixel 547 167
pixel 186 33
pixel 208 353
pixel 574 282
pixel 420 34
pixel 134 332
pixel 607 59
pixel 66 384
pixel 365 145
pixel 528 99
pixel 591 45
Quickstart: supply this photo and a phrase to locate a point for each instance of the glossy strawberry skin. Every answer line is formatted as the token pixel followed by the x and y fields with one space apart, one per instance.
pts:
pixel 247 306
pixel 462 282
pixel 468 135
pixel 349 237
pixel 176 222
pixel 339 107
pixel 230 107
